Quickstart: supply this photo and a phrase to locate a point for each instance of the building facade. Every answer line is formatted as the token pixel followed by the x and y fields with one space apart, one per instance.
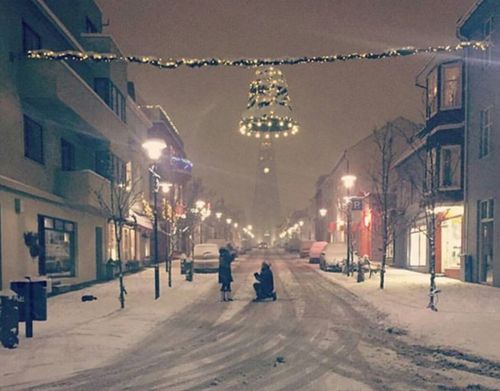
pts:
pixel 68 129
pixel 482 153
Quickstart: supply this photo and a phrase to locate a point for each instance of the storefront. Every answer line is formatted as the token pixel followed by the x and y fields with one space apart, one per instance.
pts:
pixel 57 257
pixel 417 247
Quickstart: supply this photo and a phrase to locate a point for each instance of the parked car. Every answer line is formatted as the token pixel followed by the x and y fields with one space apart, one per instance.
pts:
pixel 315 251
pixel 263 246
pixel 206 258
pixel 305 247
pixel 332 258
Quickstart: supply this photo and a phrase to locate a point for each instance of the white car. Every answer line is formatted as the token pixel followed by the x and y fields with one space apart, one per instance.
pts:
pixel 206 258
pixel 333 256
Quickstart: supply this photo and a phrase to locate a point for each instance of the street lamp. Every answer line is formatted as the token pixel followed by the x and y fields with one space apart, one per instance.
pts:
pixel 348 181
pixel 154 148
pixel 322 212
pixel 218 215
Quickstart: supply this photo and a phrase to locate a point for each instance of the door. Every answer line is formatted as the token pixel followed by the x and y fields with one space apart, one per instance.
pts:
pixel 98 253
pixel 486 252
pixel 1 248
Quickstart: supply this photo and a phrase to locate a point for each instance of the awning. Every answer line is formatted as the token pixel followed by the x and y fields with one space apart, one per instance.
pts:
pixel 141 221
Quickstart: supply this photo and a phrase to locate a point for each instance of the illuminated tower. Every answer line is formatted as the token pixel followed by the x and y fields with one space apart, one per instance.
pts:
pixel 266 207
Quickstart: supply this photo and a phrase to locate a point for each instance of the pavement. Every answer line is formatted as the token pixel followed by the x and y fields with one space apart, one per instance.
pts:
pixel 325 332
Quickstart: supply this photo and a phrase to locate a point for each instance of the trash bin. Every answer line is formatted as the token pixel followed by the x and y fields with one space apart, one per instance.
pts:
pixel 188 265
pixel 9 319
pixel 183 266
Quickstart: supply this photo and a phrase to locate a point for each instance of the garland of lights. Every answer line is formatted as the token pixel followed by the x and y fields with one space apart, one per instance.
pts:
pixel 44 54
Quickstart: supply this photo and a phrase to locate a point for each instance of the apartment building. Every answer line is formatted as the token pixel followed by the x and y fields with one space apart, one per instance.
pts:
pixel 67 129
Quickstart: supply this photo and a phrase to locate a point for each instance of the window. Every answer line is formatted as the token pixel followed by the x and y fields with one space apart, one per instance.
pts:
pixel 488 28
pixel 486 209
pixel 89 26
pixel 67 156
pixel 450 167
pixel 484 132
pixel 418 246
pixel 112 96
pixel 110 166
pixel 432 94
pixel 451 91
pixel 33 140
pixel 430 171
pixel 58 257
pixel 31 40
pixel 128 175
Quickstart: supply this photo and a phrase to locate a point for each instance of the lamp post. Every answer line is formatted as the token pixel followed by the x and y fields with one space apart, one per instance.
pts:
pixel 348 181
pixel 200 204
pixel 322 213
pixel 154 148
pixel 169 215
pixel 228 222
pixel 217 231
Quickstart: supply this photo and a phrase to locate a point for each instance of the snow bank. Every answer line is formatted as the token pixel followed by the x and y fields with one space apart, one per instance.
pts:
pixel 82 335
pixel 468 316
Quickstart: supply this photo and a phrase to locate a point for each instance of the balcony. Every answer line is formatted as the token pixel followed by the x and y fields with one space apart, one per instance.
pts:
pixel 80 187
pixel 59 94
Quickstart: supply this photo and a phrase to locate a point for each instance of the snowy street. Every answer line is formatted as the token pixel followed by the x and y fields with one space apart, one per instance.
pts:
pixel 317 336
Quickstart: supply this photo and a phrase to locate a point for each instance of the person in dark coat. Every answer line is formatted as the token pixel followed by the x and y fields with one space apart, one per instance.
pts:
pixel 264 288
pixel 225 275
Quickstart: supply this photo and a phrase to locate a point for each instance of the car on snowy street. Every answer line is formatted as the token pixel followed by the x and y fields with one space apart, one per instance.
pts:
pixel 206 258
pixel 315 251
pixel 332 258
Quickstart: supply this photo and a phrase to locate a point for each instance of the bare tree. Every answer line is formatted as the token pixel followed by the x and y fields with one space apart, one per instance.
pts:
pixel 423 177
pixel 389 141
pixel 116 203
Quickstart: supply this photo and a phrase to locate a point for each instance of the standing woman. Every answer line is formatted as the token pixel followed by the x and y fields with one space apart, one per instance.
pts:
pixel 225 276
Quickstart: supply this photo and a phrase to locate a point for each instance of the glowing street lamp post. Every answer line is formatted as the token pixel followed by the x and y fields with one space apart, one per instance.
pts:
pixel 154 148
pixel 348 181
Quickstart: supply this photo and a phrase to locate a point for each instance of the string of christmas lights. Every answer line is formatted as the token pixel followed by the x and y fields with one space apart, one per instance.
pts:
pixel 158 62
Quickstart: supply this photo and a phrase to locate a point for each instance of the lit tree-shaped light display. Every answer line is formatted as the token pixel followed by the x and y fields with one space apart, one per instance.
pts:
pixel 268 109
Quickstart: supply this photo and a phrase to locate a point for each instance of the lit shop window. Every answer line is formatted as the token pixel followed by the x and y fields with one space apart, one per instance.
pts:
pixel 58 257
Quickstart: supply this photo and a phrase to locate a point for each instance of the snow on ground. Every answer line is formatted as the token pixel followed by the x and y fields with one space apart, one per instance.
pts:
pixel 82 335
pixel 468 317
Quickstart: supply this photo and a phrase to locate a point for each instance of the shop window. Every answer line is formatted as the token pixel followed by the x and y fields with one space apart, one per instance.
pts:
pixel 450 173
pixel 485 125
pixel 59 239
pixel 33 140
pixel 418 246
pixel 451 92
pixel 432 89
pixel 31 40
pixel 67 156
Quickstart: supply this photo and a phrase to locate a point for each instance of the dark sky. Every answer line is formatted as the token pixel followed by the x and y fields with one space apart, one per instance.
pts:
pixel 336 104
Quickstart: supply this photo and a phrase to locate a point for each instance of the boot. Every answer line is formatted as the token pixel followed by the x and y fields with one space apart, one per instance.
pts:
pixel 229 296
pixel 222 296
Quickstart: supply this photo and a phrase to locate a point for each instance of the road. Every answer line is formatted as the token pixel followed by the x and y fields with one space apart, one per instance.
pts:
pixel 316 336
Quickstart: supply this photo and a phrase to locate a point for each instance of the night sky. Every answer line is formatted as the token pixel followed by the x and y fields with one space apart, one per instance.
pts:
pixel 336 104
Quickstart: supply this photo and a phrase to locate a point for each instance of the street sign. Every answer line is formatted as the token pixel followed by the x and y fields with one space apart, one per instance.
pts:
pixel 356 203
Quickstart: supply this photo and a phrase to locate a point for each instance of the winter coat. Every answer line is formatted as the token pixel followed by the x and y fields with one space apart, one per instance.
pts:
pixel 266 280
pixel 225 259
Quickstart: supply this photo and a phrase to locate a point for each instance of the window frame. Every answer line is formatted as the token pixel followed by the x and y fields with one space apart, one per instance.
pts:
pixel 444 67
pixel 487 34
pixel 443 148
pixel 70 148
pixel 27 29
pixel 432 106
pixel 29 127
pixel 485 129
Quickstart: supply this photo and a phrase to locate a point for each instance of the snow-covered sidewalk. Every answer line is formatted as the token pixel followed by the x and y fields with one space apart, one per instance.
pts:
pixel 468 317
pixel 76 331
